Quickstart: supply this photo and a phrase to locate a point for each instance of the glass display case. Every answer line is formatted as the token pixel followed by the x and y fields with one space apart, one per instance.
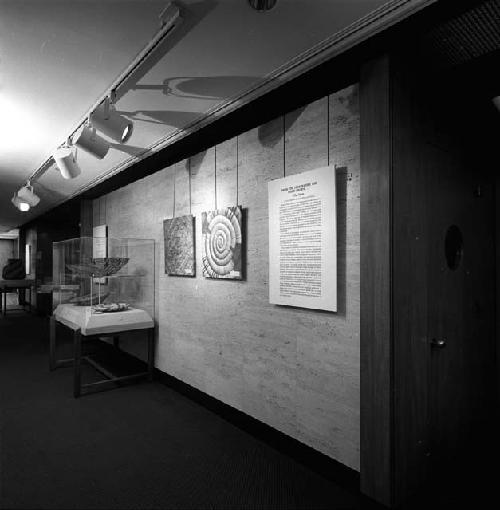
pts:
pixel 104 284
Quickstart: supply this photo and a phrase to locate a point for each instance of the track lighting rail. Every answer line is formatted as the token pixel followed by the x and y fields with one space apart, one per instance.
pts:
pixel 170 19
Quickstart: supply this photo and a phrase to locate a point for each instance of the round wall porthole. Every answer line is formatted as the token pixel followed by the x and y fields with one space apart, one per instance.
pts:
pixel 453 247
pixel 262 5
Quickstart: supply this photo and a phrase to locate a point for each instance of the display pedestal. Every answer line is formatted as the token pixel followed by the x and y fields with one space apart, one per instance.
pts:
pixel 7 286
pixel 81 317
pixel 85 324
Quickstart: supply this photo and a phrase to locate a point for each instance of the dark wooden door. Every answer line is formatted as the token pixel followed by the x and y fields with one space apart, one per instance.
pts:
pixel 443 313
pixel 460 304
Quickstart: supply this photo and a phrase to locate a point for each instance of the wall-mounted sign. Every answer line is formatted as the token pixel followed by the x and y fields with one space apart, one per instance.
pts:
pixel 303 240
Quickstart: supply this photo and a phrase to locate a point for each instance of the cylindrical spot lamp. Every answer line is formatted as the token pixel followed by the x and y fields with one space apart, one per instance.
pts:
pixel 112 124
pixel 496 102
pixel 20 204
pixel 25 198
pixel 26 194
pixel 87 139
pixel 65 158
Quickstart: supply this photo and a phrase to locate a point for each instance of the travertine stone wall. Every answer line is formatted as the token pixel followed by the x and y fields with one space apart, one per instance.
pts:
pixel 294 369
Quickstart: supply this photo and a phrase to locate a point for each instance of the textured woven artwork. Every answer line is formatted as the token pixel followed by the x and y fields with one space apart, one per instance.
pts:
pixel 178 236
pixel 222 243
pixel 99 267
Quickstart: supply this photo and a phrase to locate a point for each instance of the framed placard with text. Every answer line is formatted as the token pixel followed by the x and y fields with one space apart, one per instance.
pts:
pixel 303 240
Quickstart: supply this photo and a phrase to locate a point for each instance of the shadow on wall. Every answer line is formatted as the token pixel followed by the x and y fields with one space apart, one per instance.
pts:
pixel 177 119
pixel 128 149
pixel 269 136
pixel 210 87
pixel 196 161
pixel 47 193
pixel 351 103
pixel 191 16
pixel 213 88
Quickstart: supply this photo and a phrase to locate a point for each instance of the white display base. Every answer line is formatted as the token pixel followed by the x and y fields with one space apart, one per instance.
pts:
pixel 80 317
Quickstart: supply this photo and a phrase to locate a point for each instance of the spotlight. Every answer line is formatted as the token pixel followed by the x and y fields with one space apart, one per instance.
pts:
pixel 25 198
pixel 65 158
pixel 26 194
pixel 87 139
pixel 112 124
pixel 496 102
pixel 22 206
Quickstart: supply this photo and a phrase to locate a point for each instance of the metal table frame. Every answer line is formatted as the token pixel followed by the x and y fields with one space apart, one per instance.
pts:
pixel 111 380
pixel 7 286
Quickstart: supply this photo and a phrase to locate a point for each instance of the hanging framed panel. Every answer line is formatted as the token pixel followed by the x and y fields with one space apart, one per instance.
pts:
pixel 222 243
pixel 179 246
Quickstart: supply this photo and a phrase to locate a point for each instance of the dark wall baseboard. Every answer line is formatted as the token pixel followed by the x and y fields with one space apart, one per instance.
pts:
pixel 318 462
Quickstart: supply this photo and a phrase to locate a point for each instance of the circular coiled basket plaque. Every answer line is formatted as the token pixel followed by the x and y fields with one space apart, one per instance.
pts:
pixel 222 243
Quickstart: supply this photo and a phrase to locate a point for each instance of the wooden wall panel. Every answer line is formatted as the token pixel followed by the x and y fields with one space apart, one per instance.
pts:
pixel 497 282
pixel 411 268
pixel 296 370
pixel 376 321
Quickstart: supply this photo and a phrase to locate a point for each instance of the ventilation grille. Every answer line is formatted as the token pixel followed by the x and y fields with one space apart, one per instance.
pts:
pixel 473 34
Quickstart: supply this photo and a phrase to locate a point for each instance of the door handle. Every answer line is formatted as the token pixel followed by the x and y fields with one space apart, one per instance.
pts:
pixel 438 343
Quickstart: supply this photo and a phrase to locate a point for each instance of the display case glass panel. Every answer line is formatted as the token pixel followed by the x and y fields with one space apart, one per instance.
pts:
pixel 104 276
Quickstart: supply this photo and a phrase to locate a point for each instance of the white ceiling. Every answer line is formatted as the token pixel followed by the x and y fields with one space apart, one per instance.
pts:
pixel 57 57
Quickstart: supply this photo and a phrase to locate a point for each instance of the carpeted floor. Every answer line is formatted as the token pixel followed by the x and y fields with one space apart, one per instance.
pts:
pixel 142 446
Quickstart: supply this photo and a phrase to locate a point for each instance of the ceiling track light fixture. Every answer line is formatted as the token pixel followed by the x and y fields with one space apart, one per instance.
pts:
pixel 25 198
pixel 20 204
pixel 496 102
pixel 103 115
pixel 87 139
pixel 65 158
pixel 110 123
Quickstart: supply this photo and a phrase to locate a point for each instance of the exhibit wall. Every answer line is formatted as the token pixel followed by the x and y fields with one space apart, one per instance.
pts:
pixel 297 370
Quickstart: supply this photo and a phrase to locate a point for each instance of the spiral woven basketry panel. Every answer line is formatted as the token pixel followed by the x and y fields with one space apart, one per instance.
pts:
pixel 222 243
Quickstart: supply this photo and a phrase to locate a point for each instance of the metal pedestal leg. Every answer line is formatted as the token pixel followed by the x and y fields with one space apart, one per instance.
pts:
pixel 52 344
pixel 151 353
pixel 77 379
